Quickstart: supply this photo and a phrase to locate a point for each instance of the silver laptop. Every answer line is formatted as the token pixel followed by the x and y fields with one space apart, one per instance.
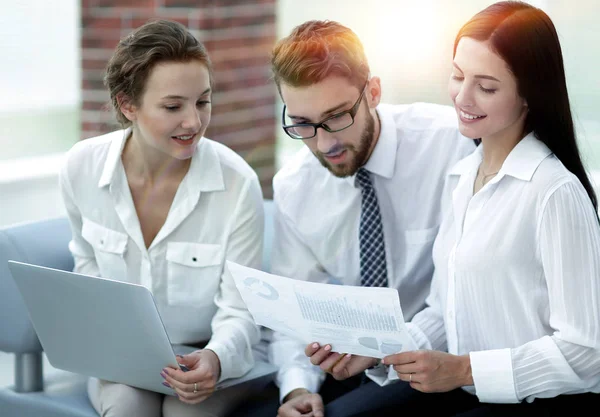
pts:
pixel 105 328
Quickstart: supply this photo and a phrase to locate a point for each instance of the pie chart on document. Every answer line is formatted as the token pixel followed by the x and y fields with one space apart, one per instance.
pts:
pixel 261 288
pixel 386 347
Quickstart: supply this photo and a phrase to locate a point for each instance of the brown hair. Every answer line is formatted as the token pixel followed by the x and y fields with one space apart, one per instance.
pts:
pixel 136 55
pixel 316 50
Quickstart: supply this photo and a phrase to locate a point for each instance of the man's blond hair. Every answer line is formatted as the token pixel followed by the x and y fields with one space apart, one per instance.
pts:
pixel 316 50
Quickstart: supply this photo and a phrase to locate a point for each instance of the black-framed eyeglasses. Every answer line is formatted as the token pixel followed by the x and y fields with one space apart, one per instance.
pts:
pixel 333 123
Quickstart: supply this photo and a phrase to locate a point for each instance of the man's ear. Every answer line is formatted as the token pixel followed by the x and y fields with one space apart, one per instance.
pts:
pixel 373 93
pixel 126 107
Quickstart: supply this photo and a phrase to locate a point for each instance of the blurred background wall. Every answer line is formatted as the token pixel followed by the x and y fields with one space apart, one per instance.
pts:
pixel 53 55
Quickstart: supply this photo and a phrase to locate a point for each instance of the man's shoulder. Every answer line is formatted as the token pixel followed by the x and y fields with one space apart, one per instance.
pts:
pixel 297 170
pixel 299 179
pixel 430 127
pixel 421 116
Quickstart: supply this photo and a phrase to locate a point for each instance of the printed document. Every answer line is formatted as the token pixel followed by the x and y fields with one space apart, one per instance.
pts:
pixel 364 321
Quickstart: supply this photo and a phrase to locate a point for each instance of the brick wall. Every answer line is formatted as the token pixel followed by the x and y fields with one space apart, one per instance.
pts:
pixel 238 35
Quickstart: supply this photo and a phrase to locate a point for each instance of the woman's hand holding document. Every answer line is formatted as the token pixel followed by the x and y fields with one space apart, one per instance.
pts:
pixel 364 321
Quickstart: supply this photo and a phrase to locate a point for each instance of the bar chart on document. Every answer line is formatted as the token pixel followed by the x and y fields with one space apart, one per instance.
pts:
pixel 345 313
pixel 373 328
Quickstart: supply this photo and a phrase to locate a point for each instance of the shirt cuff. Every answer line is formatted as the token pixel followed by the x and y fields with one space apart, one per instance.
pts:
pixel 493 376
pixel 294 378
pixel 230 368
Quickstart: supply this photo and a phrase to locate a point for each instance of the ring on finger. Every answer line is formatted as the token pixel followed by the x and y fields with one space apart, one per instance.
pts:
pixel 195 387
pixel 410 377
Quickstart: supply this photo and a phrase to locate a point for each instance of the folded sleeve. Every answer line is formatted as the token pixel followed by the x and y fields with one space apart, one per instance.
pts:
pixel 234 331
pixel 567 360
pixel 83 253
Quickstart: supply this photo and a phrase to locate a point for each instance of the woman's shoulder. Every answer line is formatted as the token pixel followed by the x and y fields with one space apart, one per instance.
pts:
pixel 551 173
pixel 232 163
pixel 552 178
pixel 92 149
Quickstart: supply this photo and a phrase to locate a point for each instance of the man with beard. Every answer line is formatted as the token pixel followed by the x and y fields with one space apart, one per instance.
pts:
pixel 364 210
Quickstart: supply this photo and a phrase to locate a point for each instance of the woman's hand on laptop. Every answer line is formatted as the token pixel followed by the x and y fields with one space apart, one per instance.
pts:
pixel 197 384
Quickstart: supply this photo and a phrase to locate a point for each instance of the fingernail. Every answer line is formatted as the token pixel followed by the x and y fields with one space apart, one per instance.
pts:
pixel 163 375
pixel 383 361
pixel 166 385
pixel 349 355
pixel 179 356
pixel 315 345
pixel 328 347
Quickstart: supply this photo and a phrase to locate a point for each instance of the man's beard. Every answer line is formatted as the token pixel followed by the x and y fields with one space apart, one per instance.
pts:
pixel 361 152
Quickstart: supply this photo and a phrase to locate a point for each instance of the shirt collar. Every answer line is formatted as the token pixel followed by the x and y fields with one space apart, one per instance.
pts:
pixel 113 158
pixel 382 161
pixel 520 163
pixel 205 173
pixel 525 158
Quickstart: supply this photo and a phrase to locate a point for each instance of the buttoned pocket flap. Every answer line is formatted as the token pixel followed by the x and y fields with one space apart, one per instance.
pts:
pixel 194 254
pixel 103 238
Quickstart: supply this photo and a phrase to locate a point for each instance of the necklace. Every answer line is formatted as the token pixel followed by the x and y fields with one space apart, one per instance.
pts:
pixel 483 175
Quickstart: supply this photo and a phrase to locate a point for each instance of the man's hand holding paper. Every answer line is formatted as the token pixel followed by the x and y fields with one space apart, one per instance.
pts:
pixel 339 365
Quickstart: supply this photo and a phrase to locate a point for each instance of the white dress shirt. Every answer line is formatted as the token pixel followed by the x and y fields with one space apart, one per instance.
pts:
pixel 317 218
pixel 517 279
pixel 217 214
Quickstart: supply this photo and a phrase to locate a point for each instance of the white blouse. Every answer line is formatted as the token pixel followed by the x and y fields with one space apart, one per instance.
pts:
pixel 217 214
pixel 517 279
